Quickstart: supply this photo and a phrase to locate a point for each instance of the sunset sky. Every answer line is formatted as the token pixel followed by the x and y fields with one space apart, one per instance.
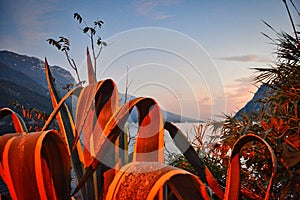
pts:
pixel 192 56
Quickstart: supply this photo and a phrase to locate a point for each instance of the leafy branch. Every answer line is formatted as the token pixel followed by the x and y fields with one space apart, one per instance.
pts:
pixel 91 31
pixel 63 44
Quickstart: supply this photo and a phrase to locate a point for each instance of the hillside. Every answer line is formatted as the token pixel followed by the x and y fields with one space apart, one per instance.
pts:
pixel 22 78
pixel 253 107
pixel 26 97
pixel 34 69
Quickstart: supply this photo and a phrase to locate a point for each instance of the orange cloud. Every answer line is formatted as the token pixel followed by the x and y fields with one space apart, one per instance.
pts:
pixel 238 94
pixel 246 58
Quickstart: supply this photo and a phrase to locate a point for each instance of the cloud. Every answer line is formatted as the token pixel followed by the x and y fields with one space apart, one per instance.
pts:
pixel 204 100
pixel 30 20
pixel 239 93
pixel 246 58
pixel 150 8
pixel 236 96
pixel 144 7
pixel 160 16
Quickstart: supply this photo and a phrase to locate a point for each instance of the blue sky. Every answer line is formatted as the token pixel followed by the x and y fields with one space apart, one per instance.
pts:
pixel 192 56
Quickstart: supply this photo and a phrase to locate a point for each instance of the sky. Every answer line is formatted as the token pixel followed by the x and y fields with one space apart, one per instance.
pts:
pixel 193 56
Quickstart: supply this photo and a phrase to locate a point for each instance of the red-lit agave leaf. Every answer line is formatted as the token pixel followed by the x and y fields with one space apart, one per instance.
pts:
pixel 36 166
pixel 143 181
pixel 91 73
pixel 18 122
pixel 96 104
pixel 106 103
pixel 115 126
pixel 233 174
pixel 150 130
pixel 59 106
pixel 85 120
pixel 190 154
pixel 20 128
pixel 3 140
pixel 64 117
pixel 66 126
pixel 149 144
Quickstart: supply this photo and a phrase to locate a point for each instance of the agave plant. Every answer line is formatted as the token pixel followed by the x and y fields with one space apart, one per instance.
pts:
pixel 38 161
pixel 47 156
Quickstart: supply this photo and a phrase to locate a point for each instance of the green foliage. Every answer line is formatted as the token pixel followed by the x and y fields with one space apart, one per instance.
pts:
pixel 278 123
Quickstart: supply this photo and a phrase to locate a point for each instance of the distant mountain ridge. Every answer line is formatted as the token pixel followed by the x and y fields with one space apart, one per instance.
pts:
pixel 254 106
pixel 167 116
pixel 23 78
pixel 20 78
pixel 25 81
pixel 34 68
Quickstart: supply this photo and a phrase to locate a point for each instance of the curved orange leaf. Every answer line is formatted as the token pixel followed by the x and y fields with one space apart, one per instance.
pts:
pixel 96 104
pixel 36 162
pixel 233 174
pixel 143 180
pixel 149 144
pixel 18 122
pixel 112 131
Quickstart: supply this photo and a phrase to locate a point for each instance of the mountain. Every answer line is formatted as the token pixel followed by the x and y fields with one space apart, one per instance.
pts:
pixel 22 78
pixel 167 116
pixel 28 98
pixel 253 107
pixel 34 69
pixel 19 78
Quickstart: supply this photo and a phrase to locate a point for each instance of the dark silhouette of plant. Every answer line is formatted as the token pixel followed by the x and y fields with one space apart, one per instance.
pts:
pixel 63 44
pixel 278 122
pixel 209 150
pixel 91 31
